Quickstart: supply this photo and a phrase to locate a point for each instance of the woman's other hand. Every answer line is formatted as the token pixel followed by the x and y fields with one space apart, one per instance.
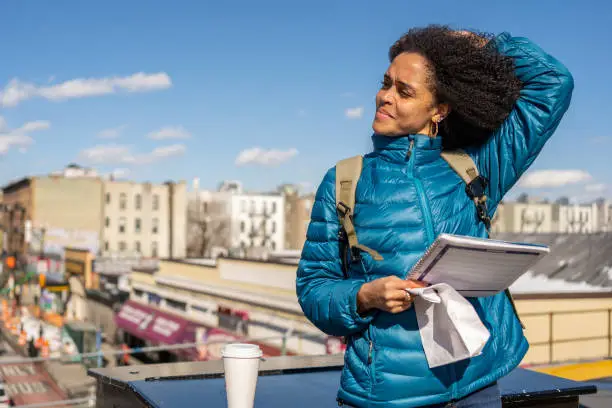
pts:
pixel 387 294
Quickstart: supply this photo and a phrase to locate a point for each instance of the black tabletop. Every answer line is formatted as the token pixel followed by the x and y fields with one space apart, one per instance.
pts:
pixel 318 389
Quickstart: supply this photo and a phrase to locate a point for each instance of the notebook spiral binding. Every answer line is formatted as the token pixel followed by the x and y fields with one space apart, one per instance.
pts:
pixel 415 271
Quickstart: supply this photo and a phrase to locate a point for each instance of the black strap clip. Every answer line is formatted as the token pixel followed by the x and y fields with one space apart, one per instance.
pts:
pixel 476 190
pixel 477 187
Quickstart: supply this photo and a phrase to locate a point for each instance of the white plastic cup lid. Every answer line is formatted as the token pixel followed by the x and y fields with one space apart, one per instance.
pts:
pixel 241 350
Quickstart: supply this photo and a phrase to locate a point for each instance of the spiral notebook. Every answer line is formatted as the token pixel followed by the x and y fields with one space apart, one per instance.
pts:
pixel 476 266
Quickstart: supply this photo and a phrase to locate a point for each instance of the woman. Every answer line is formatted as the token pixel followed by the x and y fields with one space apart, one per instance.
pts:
pixel 500 99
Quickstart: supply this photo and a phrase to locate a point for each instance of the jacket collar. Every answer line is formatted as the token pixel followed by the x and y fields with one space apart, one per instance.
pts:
pixel 424 148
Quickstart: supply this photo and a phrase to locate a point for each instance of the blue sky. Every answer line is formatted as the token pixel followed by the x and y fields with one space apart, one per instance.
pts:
pixel 177 90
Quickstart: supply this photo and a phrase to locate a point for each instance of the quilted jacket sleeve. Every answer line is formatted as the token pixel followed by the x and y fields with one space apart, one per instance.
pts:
pixel 544 98
pixel 327 299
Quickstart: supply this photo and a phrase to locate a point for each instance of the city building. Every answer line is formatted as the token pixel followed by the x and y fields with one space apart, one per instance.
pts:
pixel 144 218
pixel 76 208
pixel 561 217
pixel 246 224
pixel 297 216
pixel 44 214
pixel 523 217
pixel 577 219
pixel 226 300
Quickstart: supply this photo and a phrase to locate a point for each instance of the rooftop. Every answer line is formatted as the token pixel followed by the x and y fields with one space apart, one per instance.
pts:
pixel 579 259
pixel 304 381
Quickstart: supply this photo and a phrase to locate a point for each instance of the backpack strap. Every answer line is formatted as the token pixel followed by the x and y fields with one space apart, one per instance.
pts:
pixel 475 185
pixel 348 172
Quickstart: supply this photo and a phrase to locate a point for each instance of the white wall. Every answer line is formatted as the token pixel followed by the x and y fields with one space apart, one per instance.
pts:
pixel 249 210
pixel 577 219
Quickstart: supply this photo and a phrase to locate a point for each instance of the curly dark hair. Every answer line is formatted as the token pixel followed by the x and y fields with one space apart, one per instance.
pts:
pixel 477 82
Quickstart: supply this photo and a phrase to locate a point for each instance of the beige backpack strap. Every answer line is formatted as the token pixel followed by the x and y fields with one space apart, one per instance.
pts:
pixel 462 163
pixel 464 166
pixel 348 172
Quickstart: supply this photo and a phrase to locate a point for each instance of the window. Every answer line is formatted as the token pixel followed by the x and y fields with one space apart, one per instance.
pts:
pixel 108 198
pixel 205 207
pixel 243 206
pixel 154 249
pixel 155 202
pixel 137 225
pixel 155 225
pixel 122 201
pixel 273 207
pixel 122 246
pixel 137 202
pixel 241 226
pixel 273 226
pixel 173 304
pixel 107 222
pixel 154 298
pixel 137 246
pixel 252 206
pixel 265 206
pixel 200 309
pixel 138 292
pixel 273 246
pixel 232 321
pixel 122 222
pixel 106 246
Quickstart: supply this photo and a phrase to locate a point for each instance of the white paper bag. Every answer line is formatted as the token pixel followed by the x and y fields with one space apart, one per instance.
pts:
pixel 450 328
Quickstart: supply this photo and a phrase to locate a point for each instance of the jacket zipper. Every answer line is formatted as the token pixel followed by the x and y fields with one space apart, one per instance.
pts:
pixel 370 342
pixel 429 231
pixel 421 194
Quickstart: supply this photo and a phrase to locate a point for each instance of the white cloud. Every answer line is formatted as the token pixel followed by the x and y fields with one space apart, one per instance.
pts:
pixel 595 188
pixel 601 139
pixel 263 157
pixel 170 132
pixel 34 126
pixel 354 113
pixel 111 133
pixel 553 178
pixel 19 137
pixel 106 154
pixel 17 91
pixel 122 154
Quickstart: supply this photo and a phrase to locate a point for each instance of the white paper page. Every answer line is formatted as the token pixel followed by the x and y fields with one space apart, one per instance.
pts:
pixel 477 272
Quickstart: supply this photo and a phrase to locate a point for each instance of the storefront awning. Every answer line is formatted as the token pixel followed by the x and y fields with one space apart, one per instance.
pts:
pixel 157 327
pixel 151 324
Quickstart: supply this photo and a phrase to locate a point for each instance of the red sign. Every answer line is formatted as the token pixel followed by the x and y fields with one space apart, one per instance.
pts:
pixel 151 324
pixel 335 345
pixel 30 384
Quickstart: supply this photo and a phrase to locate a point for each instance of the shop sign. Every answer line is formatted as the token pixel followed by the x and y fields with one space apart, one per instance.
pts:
pixel 74 267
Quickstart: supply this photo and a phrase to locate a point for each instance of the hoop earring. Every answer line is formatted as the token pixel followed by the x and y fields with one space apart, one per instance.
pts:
pixel 433 129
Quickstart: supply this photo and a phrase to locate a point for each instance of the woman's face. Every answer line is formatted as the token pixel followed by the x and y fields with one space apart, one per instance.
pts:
pixel 405 103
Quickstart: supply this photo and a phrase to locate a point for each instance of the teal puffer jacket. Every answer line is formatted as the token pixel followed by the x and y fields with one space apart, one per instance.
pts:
pixel 406 196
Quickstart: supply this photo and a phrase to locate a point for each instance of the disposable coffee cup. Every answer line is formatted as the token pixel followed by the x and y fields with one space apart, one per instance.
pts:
pixel 241 364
